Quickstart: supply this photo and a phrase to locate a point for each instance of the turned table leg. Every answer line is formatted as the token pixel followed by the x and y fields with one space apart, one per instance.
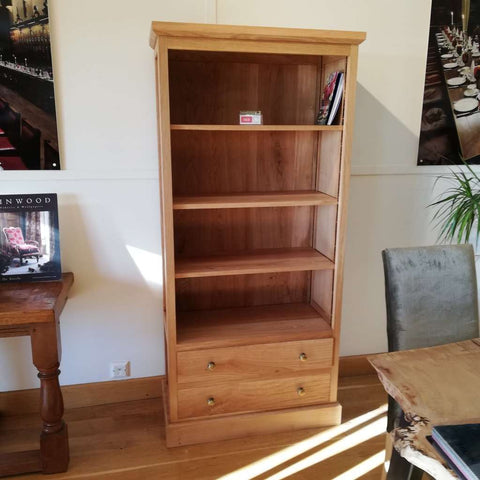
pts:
pixel 46 351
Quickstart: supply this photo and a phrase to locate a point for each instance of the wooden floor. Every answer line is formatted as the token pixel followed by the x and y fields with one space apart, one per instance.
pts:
pixel 126 441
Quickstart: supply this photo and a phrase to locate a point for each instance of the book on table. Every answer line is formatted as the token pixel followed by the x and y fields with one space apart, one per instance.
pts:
pixel 29 238
pixel 460 446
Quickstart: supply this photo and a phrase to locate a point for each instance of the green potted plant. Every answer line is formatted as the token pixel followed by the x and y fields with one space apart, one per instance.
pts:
pixel 458 210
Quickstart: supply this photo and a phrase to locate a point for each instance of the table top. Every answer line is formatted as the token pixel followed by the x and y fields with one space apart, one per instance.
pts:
pixel 434 386
pixel 33 302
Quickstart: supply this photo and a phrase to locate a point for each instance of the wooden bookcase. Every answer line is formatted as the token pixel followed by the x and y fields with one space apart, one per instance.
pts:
pixel 253 222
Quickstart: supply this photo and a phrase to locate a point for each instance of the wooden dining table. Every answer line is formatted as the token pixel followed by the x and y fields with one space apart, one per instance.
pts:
pixel 434 386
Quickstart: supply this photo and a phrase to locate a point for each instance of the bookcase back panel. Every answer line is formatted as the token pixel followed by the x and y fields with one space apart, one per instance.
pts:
pixel 227 162
pixel 214 92
pixel 242 290
pixel 237 230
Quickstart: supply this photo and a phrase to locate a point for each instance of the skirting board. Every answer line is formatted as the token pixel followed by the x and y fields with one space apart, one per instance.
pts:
pixel 84 395
pixel 88 394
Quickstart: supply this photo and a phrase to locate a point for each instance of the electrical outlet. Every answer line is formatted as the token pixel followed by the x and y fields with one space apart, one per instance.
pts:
pixel 119 369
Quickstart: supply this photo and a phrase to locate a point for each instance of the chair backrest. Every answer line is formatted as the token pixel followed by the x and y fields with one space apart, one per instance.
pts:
pixel 14 236
pixel 431 296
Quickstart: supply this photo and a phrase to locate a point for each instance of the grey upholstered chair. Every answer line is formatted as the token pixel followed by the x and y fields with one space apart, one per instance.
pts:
pixel 431 298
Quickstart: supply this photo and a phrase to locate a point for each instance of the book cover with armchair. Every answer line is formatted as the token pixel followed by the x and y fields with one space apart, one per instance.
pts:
pixel 29 238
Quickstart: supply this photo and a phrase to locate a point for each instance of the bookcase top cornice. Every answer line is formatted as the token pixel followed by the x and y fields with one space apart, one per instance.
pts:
pixel 238 32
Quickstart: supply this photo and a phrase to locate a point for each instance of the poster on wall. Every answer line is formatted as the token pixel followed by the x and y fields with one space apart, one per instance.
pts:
pixel 29 238
pixel 28 127
pixel 450 126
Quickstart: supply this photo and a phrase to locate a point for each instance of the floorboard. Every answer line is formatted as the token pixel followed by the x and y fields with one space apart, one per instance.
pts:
pixel 125 441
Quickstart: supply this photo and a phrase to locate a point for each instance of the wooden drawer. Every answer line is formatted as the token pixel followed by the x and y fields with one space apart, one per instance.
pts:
pixel 253 395
pixel 265 360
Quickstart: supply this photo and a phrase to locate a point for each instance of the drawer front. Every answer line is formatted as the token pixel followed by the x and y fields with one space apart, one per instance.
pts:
pixel 264 360
pixel 253 395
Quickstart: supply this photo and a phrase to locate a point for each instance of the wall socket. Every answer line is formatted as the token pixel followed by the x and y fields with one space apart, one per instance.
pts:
pixel 119 369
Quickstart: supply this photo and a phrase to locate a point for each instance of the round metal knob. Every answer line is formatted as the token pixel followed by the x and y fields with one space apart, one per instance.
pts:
pixel 300 391
pixel 211 365
pixel 303 357
pixel 211 402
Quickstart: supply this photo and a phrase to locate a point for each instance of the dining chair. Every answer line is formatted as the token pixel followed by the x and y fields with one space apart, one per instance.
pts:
pixel 431 299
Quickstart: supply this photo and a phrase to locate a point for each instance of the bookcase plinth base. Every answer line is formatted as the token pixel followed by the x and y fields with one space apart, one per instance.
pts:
pixel 206 430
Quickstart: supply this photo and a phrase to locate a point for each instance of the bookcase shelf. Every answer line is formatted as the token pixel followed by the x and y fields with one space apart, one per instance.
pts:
pixel 253 225
pixel 253 200
pixel 270 261
pixel 247 325
pixel 260 128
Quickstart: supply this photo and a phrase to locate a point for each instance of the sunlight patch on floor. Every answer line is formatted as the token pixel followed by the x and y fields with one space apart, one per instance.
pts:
pixel 362 435
pixel 267 463
pixel 363 467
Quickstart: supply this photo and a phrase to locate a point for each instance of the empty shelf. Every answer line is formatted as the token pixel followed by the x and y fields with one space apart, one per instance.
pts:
pixel 262 261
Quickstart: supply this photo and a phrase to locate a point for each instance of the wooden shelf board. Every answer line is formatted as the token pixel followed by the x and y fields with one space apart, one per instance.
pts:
pixel 256 261
pixel 253 200
pixel 258 128
pixel 247 325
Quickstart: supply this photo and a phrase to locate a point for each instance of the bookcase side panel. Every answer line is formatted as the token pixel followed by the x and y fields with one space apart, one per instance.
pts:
pixel 322 293
pixel 349 112
pixel 328 172
pixel 167 219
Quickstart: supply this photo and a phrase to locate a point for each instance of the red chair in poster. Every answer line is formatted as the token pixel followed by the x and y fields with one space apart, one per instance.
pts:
pixel 17 247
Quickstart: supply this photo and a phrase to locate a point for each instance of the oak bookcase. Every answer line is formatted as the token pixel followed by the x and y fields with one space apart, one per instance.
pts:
pixel 253 221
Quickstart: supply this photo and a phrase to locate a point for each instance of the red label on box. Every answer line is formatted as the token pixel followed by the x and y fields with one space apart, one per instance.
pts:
pixel 246 118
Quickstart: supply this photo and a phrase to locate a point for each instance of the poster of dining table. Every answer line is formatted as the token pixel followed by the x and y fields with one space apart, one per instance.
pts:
pixel 450 126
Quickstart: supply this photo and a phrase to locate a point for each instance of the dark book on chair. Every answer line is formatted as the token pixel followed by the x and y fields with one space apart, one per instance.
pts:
pixel 29 238
pixel 460 446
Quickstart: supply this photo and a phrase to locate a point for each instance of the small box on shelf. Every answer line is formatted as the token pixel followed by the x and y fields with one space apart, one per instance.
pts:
pixel 251 118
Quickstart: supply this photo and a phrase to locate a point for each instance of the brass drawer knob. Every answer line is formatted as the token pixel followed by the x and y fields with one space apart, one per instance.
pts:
pixel 303 357
pixel 211 402
pixel 300 391
pixel 211 365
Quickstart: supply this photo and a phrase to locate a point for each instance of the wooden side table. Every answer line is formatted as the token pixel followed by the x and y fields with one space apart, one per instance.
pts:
pixel 34 309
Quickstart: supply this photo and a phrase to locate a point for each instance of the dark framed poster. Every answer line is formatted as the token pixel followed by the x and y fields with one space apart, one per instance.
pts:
pixel 450 126
pixel 28 127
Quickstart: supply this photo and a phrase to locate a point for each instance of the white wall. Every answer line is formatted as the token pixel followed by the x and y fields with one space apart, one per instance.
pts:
pixel 108 191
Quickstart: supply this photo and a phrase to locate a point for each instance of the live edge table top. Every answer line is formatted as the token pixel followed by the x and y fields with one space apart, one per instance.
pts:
pixel 33 302
pixel 434 386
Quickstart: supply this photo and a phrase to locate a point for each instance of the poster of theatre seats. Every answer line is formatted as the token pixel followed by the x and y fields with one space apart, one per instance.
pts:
pixel 450 126
pixel 28 128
